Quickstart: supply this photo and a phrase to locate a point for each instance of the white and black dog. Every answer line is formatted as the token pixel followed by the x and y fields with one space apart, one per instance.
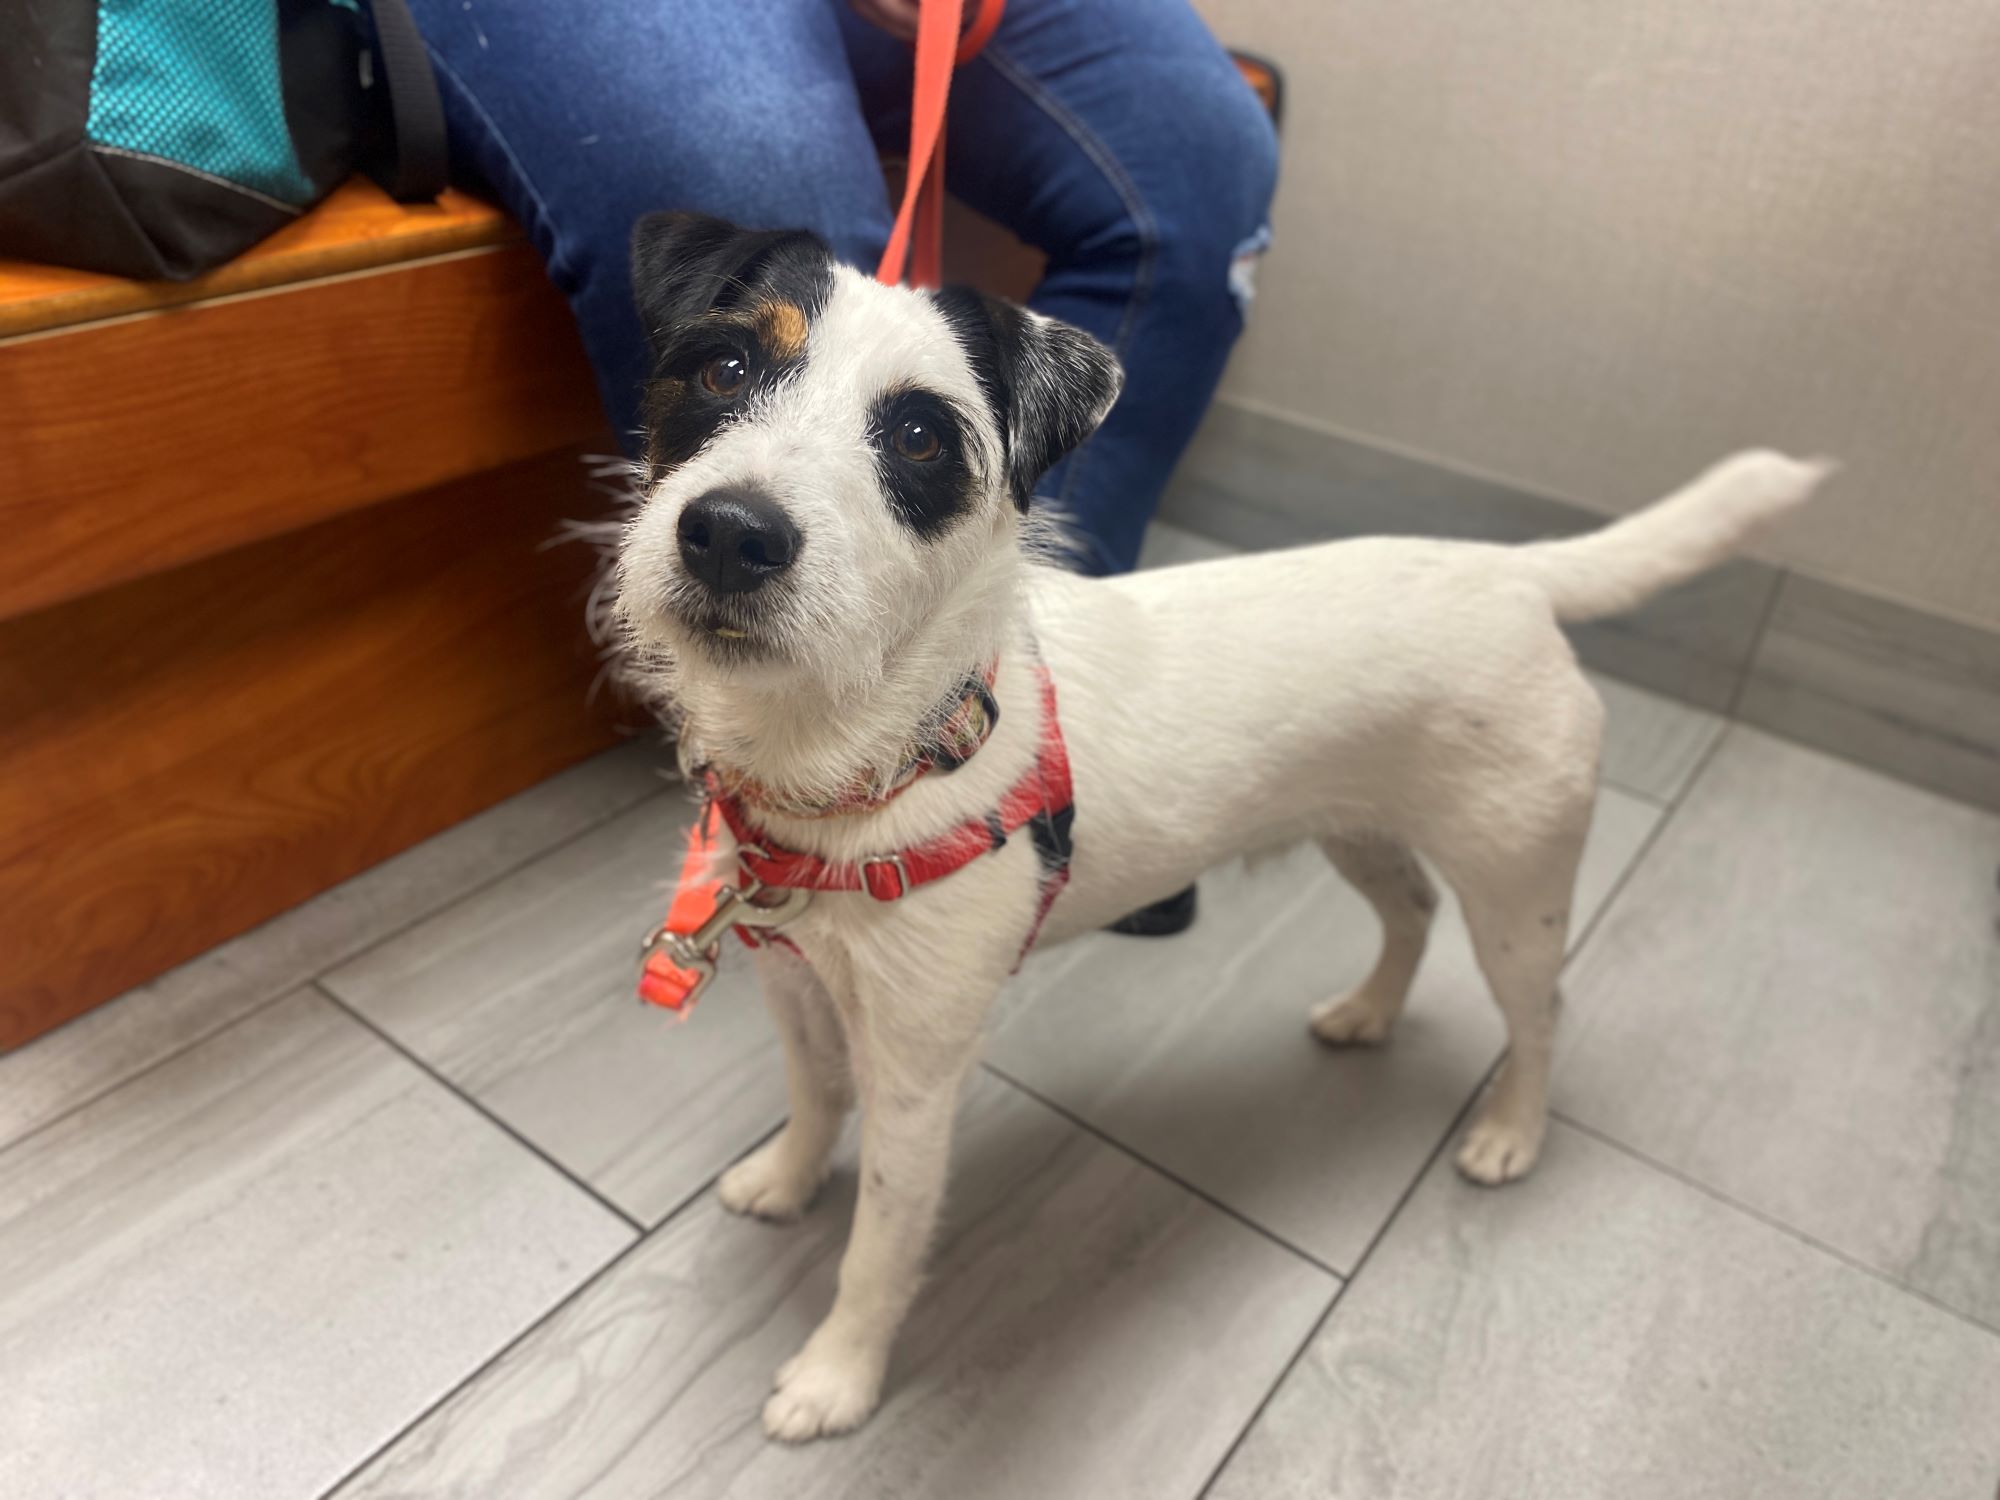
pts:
pixel 831 547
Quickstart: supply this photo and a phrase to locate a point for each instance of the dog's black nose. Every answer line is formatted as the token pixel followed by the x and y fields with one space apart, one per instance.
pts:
pixel 733 539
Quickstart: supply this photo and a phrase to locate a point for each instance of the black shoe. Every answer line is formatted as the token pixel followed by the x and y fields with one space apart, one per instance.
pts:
pixel 1161 919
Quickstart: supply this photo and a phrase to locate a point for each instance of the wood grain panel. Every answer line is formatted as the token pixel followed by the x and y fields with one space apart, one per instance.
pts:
pixel 187 755
pixel 358 226
pixel 135 445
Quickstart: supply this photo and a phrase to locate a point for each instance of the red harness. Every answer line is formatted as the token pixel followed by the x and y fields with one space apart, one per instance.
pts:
pixel 681 953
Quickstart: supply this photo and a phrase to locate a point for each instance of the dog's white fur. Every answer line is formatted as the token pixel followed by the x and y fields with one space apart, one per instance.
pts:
pixel 1379 696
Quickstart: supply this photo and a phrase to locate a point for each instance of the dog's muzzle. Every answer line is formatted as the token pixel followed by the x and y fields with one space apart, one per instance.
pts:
pixel 736 539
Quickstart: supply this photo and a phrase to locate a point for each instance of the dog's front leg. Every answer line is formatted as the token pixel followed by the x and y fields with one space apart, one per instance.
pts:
pixel 912 1042
pixel 779 1178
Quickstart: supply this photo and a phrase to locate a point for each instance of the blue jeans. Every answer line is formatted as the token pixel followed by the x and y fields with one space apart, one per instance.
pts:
pixel 1114 135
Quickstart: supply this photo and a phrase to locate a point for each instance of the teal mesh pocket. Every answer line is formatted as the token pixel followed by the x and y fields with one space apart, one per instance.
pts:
pixel 195 82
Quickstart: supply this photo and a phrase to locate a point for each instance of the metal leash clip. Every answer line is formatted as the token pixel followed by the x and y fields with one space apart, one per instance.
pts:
pixel 735 906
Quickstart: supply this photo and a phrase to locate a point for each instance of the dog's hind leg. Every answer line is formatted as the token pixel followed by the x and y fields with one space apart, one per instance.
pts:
pixel 1387 873
pixel 1518 912
pixel 779 1178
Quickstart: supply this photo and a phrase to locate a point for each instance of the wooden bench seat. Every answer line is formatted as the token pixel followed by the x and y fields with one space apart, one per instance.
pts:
pixel 275 601
pixel 275 595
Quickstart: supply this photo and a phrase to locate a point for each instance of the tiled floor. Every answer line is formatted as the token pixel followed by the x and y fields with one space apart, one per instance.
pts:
pixel 402 1195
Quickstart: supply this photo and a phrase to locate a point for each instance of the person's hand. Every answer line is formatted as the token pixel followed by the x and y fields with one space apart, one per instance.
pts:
pixel 897 17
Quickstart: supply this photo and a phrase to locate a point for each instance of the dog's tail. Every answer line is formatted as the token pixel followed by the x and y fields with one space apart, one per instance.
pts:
pixel 1622 566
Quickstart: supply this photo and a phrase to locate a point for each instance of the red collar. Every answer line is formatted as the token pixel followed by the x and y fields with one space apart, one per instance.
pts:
pixel 680 955
pixel 1043 789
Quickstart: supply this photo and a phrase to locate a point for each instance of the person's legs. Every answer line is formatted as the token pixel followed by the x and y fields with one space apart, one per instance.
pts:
pixel 584 117
pixel 1118 137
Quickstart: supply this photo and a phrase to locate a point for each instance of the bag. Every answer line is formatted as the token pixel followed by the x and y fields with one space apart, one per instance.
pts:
pixel 159 138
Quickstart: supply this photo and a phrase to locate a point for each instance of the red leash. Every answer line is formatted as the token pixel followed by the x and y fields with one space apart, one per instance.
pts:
pixel 773 885
pixel 917 241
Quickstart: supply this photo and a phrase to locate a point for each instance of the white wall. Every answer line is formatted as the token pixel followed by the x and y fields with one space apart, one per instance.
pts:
pixel 1585 246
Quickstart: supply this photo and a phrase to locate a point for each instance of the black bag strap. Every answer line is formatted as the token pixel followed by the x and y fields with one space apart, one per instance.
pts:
pixel 416 169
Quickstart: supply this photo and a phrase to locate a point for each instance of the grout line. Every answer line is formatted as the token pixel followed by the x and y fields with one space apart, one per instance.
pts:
pixel 1770 1221
pixel 507 1348
pixel 1749 666
pixel 1651 799
pixel 478 1107
pixel 1342 1282
pixel 548 1314
pixel 1458 1120
pixel 295 984
pixel 156 1064
pixel 1716 1194
pixel 1669 810
pixel 1682 778
pixel 1360 1264
pixel 480 887
pixel 1849 755
pixel 1146 1161
pixel 1416 1180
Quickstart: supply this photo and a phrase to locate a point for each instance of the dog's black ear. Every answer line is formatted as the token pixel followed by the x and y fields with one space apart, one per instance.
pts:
pixel 688 264
pixel 1049 384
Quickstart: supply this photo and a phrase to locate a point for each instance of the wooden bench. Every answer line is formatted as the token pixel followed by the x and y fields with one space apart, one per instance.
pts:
pixel 275 595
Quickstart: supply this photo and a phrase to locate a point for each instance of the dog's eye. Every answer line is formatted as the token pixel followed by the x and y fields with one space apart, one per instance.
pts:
pixel 917 440
pixel 724 375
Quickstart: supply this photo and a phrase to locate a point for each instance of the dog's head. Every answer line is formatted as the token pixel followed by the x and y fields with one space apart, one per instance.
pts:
pixel 830 464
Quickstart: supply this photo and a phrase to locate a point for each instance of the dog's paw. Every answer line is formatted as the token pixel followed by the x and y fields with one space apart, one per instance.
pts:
pixel 1497 1151
pixel 767 1184
pixel 1356 1020
pixel 823 1389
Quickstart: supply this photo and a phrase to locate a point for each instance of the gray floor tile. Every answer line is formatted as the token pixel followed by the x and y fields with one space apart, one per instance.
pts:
pixel 243 1272
pixel 522 995
pixel 1797 1001
pixel 1652 744
pixel 97 1051
pixel 1601 1329
pixel 1193 1051
pixel 1880 683
pixel 1692 642
pixel 1088 1328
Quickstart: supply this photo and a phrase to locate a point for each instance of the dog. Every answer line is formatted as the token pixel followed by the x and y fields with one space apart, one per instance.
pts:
pixel 833 555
